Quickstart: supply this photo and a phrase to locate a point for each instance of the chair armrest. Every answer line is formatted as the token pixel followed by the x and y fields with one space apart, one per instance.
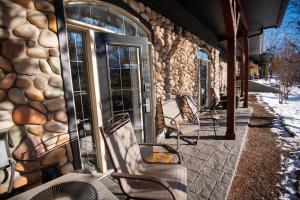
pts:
pixel 169 148
pixel 172 120
pixel 144 178
pixel 194 115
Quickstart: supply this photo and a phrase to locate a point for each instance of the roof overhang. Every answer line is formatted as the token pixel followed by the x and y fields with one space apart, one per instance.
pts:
pixel 205 18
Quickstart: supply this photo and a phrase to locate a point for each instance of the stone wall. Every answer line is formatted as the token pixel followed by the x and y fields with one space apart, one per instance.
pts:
pixel 32 104
pixel 176 64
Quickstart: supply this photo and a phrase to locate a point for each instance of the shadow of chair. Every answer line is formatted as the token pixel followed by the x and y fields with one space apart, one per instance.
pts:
pixel 138 178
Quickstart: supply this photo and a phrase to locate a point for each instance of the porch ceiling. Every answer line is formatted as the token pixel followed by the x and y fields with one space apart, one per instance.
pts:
pixel 205 18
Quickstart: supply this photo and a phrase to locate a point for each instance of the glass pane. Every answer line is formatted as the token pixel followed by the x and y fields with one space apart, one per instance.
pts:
pixel 127 100
pixel 133 57
pixel 100 16
pixel 130 27
pixel 141 32
pixel 116 22
pixel 115 79
pixel 104 17
pixel 130 78
pixel 117 100
pixel 202 54
pixel 124 57
pixel 113 56
pixel 80 12
pixel 79 72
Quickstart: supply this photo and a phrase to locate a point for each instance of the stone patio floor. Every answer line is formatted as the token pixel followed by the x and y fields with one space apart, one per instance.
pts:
pixel 212 163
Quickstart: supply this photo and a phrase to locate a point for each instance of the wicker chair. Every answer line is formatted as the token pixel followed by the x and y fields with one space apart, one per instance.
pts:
pixel 174 120
pixel 140 179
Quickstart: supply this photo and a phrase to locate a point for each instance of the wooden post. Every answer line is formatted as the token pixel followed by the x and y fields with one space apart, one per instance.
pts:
pixel 231 17
pixel 231 86
pixel 242 72
pixel 246 70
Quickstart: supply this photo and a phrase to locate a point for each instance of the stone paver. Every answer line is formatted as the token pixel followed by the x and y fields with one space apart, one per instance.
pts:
pixel 212 163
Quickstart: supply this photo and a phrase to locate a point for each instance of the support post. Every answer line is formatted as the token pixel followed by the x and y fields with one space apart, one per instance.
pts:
pixel 242 72
pixel 231 86
pixel 246 70
pixel 231 17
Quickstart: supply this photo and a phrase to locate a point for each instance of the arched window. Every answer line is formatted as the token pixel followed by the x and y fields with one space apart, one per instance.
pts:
pixel 104 17
pixel 202 54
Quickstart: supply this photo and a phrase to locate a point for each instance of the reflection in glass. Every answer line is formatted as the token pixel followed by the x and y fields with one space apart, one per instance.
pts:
pixel 79 72
pixel 100 16
pixel 116 22
pixel 130 28
pixel 125 82
pixel 104 17
pixel 113 56
pixel 124 57
pixel 115 79
pixel 117 101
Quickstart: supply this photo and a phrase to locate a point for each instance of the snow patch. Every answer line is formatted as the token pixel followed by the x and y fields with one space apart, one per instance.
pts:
pixel 287 126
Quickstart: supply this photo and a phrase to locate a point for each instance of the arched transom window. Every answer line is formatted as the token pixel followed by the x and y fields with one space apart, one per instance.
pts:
pixel 104 17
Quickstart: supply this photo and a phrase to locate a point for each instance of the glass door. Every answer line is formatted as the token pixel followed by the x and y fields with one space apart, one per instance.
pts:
pixel 203 83
pixel 82 95
pixel 124 80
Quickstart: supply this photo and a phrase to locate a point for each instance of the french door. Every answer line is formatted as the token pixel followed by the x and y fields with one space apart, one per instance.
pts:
pixel 124 80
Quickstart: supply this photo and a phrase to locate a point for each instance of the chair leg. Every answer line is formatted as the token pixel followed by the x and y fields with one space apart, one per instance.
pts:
pixel 198 136
pixel 215 123
pixel 177 140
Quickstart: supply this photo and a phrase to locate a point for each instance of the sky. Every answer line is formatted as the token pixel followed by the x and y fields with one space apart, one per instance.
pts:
pixel 288 27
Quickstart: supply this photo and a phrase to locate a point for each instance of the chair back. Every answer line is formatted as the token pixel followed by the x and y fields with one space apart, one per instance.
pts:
pixel 192 104
pixel 122 144
pixel 4 149
pixel 215 97
pixel 170 109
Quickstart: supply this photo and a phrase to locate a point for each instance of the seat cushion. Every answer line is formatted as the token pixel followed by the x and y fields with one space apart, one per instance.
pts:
pixel 174 174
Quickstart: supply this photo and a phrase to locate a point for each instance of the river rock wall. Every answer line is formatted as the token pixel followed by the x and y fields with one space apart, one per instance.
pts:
pixel 176 63
pixel 32 104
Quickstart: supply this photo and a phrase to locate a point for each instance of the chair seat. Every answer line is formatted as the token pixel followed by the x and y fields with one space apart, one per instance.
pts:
pixel 208 116
pixel 185 127
pixel 175 175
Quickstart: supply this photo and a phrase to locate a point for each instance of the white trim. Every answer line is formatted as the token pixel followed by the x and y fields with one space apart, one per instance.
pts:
pixel 96 101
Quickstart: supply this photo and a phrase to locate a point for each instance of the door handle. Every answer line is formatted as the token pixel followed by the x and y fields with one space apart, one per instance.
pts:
pixel 147 105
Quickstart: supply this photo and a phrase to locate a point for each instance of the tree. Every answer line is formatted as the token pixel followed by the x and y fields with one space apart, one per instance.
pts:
pixel 282 50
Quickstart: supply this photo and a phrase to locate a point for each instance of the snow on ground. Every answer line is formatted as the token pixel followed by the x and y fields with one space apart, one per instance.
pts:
pixel 287 126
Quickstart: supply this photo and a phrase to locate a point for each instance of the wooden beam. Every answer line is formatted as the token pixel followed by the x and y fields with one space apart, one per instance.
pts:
pixel 243 16
pixel 224 37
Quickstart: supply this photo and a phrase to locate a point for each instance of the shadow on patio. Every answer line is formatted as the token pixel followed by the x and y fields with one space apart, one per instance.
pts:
pixel 212 163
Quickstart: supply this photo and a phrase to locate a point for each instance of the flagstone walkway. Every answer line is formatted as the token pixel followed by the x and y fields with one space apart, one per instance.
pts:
pixel 212 163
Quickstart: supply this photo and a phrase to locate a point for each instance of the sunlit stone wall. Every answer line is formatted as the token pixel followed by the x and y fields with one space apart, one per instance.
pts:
pixel 32 104
pixel 176 64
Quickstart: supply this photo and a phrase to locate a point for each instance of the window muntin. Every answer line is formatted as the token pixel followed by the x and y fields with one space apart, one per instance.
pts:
pixel 104 17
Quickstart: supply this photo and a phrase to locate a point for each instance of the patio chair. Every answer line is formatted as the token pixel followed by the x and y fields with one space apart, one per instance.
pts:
pixel 174 120
pixel 5 159
pixel 140 179
pixel 208 113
